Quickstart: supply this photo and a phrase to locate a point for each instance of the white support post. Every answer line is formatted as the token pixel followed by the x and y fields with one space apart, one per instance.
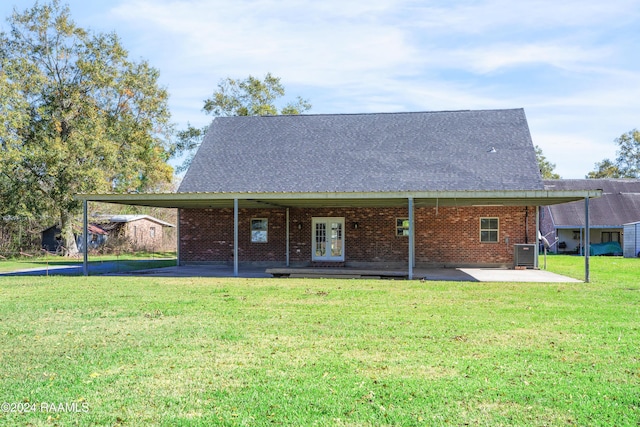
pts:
pixel 411 239
pixel 287 239
pixel 178 241
pixel 587 243
pixel 235 237
pixel 581 246
pixel 536 263
pixel 85 238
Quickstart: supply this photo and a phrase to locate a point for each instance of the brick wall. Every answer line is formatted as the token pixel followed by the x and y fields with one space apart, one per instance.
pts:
pixel 142 237
pixel 446 236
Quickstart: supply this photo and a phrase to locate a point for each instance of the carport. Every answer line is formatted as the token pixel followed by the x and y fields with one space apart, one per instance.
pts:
pixel 406 199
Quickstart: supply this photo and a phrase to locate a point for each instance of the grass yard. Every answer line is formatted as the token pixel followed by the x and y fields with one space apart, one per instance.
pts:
pixel 122 262
pixel 122 351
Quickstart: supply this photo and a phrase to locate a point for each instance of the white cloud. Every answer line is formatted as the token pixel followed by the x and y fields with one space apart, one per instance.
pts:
pixel 488 17
pixel 309 47
pixel 572 64
pixel 498 56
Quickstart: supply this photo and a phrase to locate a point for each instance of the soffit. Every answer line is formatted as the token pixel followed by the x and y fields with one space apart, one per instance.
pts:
pixel 356 200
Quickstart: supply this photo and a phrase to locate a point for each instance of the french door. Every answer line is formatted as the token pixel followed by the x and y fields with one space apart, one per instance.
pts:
pixel 328 239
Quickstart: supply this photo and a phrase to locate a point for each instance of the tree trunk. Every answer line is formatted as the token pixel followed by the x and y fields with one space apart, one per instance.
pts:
pixel 66 231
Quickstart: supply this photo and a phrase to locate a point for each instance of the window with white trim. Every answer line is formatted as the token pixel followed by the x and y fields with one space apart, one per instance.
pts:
pixel 402 226
pixel 259 228
pixel 489 228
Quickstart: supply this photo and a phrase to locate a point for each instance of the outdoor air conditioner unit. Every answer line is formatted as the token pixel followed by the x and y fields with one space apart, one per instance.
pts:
pixel 525 256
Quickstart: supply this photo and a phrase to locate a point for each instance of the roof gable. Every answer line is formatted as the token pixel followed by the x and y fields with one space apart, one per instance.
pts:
pixel 619 204
pixel 132 218
pixel 427 151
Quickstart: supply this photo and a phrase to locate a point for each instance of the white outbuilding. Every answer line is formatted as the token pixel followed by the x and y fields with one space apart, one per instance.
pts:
pixel 632 240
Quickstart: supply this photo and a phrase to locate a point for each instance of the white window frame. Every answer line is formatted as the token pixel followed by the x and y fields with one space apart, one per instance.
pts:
pixel 259 235
pixel 329 221
pixel 490 230
pixel 402 230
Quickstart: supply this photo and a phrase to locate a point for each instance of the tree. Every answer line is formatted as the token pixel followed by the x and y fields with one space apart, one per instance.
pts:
pixel 79 117
pixel 248 97
pixel 605 169
pixel 627 163
pixel 251 97
pixel 628 153
pixel 546 167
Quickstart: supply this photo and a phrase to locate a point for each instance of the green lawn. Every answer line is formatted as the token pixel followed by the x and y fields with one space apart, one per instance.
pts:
pixel 123 262
pixel 128 351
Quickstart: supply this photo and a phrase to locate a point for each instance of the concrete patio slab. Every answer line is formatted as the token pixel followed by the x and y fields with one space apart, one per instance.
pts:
pixel 494 275
pixel 429 274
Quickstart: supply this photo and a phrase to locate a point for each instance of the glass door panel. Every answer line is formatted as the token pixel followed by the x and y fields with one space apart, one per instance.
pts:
pixel 336 239
pixel 320 240
pixel 328 239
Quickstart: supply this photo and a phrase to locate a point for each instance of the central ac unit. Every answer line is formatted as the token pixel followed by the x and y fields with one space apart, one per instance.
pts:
pixel 525 256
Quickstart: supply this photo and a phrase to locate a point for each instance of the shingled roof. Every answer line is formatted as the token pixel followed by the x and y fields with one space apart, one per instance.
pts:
pixel 619 204
pixel 424 151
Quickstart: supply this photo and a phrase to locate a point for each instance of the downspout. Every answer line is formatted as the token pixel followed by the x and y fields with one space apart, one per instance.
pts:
pixel 526 224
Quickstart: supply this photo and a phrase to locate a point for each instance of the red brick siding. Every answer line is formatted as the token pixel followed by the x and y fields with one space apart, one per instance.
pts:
pixel 139 234
pixel 207 235
pixel 453 235
pixel 445 236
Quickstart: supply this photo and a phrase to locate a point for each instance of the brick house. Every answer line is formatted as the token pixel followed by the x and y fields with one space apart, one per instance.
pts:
pixel 143 232
pixel 451 188
pixel 618 205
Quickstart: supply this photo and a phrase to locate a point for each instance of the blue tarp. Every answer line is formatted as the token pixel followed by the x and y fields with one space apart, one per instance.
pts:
pixel 609 248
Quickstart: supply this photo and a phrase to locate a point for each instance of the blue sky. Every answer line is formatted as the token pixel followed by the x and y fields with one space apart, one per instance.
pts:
pixel 572 65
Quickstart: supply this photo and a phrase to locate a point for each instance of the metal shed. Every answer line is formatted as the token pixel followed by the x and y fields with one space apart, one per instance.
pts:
pixel 632 240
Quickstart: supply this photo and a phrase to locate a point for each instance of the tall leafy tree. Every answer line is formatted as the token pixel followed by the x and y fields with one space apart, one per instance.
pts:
pixel 247 97
pixel 252 97
pixel 547 169
pixel 628 153
pixel 78 116
pixel 605 169
pixel 627 162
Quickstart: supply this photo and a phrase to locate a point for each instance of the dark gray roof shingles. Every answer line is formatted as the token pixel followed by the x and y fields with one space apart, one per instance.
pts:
pixel 619 204
pixel 425 151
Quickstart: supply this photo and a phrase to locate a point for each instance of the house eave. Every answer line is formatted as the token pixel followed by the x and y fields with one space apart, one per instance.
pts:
pixel 591 226
pixel 346 199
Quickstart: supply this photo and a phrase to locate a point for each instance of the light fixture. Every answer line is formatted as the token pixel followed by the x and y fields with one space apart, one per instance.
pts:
pixel 355 225
pixel 299 226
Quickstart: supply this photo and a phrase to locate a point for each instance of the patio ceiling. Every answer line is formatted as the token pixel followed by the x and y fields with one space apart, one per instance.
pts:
pixel 331 199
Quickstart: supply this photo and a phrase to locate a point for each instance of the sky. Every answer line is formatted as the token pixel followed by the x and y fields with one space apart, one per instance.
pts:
pixel 572 65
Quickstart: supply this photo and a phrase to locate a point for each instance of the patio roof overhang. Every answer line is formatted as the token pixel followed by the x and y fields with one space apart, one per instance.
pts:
pixel 409 199
pixel 346 199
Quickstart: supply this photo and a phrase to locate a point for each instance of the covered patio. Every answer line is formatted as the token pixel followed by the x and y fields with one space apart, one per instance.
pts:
pixel 405 199
pixel 423 274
